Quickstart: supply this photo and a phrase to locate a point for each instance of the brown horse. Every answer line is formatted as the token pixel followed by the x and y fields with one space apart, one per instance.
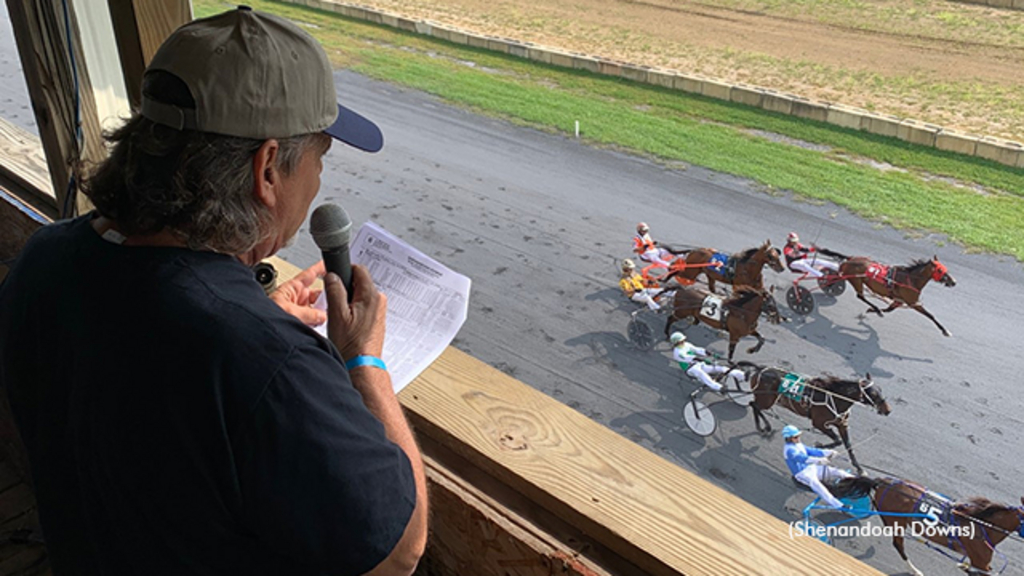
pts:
pixel 736 314
pixel 901 285
pixel 972 527
pixel 827 401
pixel 743 268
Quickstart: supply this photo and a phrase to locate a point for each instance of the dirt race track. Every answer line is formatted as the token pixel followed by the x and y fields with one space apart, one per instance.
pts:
pixel 908 69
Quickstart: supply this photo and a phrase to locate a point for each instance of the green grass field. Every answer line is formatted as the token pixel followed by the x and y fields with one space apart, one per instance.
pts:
pixel 977 203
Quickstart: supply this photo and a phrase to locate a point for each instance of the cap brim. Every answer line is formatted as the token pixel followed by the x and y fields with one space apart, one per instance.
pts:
pixel 356 131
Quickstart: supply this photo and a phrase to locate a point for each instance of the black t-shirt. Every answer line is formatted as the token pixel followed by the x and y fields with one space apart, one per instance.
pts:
pixel 179 422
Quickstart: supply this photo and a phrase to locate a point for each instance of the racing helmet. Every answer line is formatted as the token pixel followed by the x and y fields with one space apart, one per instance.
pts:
pixel 642 228
pixel 790 431
pixel 628 264
pixel 677 337
pixel 793 237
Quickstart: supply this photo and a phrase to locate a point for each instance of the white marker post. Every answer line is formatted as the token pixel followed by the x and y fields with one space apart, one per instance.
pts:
pixel 577 129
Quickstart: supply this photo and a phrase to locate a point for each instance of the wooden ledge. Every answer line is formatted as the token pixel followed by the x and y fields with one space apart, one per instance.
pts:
pixel 23 167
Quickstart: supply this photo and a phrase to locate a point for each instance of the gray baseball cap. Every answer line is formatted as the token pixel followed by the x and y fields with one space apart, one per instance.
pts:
pixel 255 75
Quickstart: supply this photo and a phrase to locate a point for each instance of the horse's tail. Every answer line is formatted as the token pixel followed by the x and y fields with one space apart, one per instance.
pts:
pixel 855 487
pixel 676 251
pixel 834 254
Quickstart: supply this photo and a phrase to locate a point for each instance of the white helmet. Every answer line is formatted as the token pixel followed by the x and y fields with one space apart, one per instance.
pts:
pixel 793 237
pixel 642 228
pixel 677 337
pixel 628 264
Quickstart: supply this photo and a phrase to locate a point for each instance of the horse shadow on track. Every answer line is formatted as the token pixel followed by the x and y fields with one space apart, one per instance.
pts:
pixel 858 345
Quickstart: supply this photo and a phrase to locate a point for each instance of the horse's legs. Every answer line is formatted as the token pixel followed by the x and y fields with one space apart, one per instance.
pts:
pixel 753 349
pixel 979 556
pixel 921 309
pixel 897 543
pixel 668 323
pixel 828 432
pixel 895 304
pixel 758 418
pixel 871 305
pixel 844 433
pixel 755 400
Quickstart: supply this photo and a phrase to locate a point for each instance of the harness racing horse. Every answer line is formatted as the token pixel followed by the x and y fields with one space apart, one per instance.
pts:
pixel 900 284
pixel 827 401
pixel 736 314
pixel 986 523
pixel 743 268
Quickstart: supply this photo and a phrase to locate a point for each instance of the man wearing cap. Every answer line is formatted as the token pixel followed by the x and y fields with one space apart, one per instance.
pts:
pixel 648 249
pixel 810 466
pixel 177 420
pixel 697 364
pixel 802 258
pixel 635 288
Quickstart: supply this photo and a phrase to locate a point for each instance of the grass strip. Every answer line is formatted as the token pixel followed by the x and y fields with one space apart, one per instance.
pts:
pixel 677 126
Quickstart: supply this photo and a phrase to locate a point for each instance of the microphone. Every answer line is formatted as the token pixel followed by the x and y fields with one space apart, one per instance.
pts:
pixel 332 230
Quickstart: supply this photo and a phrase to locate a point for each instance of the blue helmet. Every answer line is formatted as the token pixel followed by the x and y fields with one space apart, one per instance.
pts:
pixel 790 431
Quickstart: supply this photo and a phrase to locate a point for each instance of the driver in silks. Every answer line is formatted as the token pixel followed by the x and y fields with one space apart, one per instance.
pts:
pixel 810 466
pixel 636 288
pixel 696 362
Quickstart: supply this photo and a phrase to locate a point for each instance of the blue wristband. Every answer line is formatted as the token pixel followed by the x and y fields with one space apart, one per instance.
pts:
pixel 366 361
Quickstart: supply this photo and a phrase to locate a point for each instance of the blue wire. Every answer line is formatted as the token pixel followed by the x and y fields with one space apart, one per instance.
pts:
pixel 69 197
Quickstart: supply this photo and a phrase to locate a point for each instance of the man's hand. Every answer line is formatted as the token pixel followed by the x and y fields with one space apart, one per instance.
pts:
pixel 357 328
pixel 296 298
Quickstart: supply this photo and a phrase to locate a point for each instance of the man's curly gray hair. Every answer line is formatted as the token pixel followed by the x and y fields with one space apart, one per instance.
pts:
pixel 196 185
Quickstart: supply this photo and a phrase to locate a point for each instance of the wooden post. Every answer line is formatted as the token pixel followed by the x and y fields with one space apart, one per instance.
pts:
pixel 141 26
pixel 42 39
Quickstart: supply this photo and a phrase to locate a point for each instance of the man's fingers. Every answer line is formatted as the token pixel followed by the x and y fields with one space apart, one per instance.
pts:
pixel 309 316
pixel 362 283
pixel 309 275
pixel 337 298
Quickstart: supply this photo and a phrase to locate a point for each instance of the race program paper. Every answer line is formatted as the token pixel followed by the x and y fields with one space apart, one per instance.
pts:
pixel 427 301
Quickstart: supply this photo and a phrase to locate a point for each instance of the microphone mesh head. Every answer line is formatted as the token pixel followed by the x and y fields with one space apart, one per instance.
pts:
pixel 330 226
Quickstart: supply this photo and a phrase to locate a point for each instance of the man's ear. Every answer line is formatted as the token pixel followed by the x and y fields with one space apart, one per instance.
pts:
pixel 266 181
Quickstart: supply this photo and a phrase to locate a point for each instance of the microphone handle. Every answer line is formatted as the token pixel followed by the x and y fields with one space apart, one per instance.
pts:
pixel 337 261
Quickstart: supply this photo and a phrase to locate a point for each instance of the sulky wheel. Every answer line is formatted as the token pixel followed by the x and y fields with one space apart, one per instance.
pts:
pixel 641 334
pixel 832 285
pixel 800 300
pixel 699 418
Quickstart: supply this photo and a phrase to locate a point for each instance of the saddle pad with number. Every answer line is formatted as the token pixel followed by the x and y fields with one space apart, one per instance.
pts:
pixel 793 386
pixel 711 308
pixel 935 504
pixel 878 273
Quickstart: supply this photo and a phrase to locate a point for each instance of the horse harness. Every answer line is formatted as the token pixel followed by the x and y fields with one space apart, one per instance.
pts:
pixel 884 275
pixel 894 277
pixel 725 264
pixel 800 389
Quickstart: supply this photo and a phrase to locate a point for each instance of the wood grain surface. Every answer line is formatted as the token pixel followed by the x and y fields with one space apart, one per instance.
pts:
pixel 22 160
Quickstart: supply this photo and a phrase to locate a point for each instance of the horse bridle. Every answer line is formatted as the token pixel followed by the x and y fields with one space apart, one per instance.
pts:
pixel 864 393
